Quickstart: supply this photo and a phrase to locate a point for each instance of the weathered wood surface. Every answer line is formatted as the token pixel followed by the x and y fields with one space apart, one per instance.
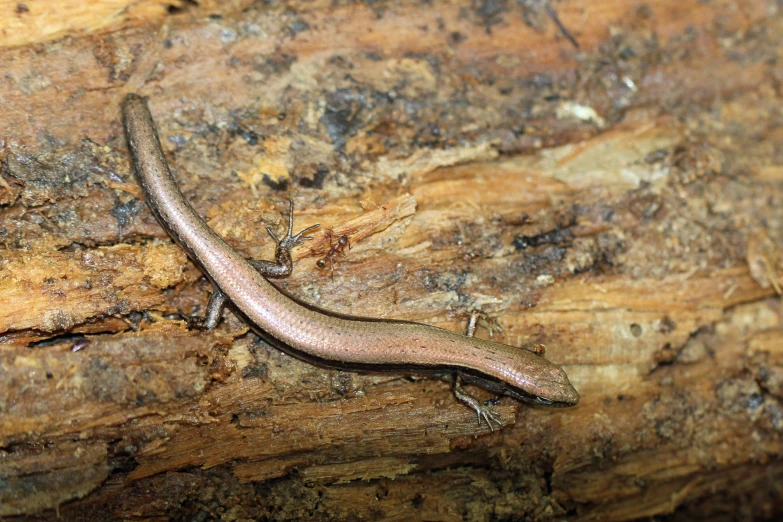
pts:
pixel 619 203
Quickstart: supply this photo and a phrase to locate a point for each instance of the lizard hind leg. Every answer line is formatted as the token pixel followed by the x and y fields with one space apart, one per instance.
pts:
pixel 281 267
pixel 291 240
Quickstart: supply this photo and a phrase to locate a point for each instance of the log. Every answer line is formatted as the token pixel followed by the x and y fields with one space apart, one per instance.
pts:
pixel 604 179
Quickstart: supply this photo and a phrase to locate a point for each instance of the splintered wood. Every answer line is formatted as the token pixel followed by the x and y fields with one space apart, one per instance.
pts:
pixel 358 228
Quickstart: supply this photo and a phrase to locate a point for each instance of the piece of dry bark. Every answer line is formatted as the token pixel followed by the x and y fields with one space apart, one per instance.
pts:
pixel 619 203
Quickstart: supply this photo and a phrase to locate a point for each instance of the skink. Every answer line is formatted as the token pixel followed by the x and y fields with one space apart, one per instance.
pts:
pixel 346 342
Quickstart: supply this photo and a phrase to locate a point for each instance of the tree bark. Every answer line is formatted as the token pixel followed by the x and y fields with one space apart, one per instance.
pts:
pixel 601 178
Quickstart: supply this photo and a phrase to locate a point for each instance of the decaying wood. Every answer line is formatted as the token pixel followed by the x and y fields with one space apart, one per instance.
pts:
pixel 619 202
